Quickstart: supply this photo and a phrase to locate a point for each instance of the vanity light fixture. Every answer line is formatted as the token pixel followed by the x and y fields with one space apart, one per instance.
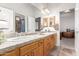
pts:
pixel 17 18
pixel 45 11
pixel 42 11
pixel 66 11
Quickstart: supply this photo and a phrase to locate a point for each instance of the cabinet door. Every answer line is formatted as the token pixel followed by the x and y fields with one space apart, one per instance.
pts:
pixel 41 47
pixel 12 53
pixel 36 52
pixel 41 51
pixel 51 42
pixel 45 51
pixel 46 46
pixel 27 48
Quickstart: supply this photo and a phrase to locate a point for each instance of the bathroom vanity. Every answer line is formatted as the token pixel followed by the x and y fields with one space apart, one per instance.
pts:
pixel 32 45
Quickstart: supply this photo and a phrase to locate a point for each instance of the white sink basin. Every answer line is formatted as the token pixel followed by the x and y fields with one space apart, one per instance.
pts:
pixel 21 38
pixel 15 39
pixel 24 38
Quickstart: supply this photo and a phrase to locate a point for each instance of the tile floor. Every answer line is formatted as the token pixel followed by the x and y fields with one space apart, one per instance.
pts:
pixel 62 51
pixel 68 42
pixel 66 48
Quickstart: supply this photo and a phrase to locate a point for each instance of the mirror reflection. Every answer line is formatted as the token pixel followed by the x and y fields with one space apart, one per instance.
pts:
pixel 19 23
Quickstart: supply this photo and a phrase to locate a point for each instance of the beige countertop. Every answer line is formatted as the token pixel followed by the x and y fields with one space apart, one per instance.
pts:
pixel 16 42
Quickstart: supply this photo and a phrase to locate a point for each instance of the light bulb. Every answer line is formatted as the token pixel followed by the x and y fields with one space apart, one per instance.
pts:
pixel 47 11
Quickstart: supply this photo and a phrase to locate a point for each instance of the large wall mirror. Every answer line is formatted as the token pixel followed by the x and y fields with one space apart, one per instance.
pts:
pixel 50 21
pixel 6 19
pixel 19 22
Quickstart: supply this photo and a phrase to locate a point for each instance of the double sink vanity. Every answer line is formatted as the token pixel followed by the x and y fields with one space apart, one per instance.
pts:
pixel 39 44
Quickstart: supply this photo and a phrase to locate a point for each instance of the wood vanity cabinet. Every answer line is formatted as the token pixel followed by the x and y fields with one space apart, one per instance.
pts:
pixel 33 49
pixel 49 44
pixel 68 34
pixel 41 47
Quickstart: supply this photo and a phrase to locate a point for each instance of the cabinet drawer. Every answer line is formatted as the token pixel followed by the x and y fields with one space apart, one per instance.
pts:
pixel 40 43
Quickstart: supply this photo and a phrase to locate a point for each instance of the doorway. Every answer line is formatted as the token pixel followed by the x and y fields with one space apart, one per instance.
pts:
pixel 67 28
pixel 19 23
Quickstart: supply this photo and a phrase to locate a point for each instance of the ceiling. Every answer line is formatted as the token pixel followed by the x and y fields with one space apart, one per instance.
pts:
pixel 67 14
pixel 54 6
